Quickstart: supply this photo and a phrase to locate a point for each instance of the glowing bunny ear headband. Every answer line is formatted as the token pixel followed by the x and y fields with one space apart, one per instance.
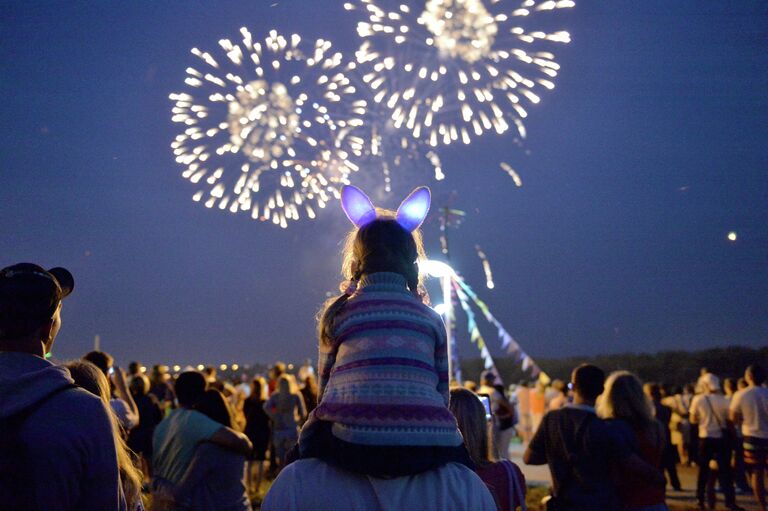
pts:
pixel 410 215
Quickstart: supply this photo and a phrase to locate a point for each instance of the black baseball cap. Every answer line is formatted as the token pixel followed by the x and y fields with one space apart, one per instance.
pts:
pixel 29 296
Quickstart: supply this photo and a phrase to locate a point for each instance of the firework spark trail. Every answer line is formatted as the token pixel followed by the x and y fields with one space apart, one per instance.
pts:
pixel 266 125
pixel 452 70
pixel 509 170
pixel 486 268
pixel 378 144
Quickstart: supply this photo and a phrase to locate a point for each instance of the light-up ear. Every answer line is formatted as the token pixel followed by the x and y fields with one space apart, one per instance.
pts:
pixel 414 209
pixel 357 206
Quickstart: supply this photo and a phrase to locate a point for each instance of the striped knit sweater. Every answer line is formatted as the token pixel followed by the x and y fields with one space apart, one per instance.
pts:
pixel 384 381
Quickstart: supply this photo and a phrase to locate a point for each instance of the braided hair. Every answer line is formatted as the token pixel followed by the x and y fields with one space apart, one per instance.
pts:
pixel 382 245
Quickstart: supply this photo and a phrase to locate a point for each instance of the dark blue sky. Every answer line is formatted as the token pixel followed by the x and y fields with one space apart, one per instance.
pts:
pixel 651 149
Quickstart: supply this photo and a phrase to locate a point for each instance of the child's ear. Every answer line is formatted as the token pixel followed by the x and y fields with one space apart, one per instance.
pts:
pixel 357 206
pixel 414 209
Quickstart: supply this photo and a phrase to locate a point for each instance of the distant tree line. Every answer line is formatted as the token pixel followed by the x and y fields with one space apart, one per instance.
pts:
pixel 669 367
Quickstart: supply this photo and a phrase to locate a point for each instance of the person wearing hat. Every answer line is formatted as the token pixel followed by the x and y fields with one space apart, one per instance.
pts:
pixel 57 450
pixel 709 410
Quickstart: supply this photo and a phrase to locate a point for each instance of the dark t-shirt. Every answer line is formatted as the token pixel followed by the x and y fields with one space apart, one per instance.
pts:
pixel 579 449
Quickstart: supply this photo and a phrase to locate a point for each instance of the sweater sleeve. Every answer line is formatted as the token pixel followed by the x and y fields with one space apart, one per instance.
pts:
pixel 441 359
pixel 326 358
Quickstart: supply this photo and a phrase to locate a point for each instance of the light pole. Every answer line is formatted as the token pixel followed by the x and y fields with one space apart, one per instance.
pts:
pixel 446 274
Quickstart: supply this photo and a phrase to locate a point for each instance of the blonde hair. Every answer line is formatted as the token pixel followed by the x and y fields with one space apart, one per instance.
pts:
pixel 381 245
pixel 92 379
pixel 623 398
pixel 470 416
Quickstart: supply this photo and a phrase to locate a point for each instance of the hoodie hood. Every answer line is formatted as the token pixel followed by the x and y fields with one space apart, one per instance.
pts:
pixel 26 379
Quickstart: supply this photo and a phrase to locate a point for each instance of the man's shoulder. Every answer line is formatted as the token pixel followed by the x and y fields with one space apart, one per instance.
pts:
pixel 76 401
pixel 569 413
pixel 186 420
pixel 751 394
pixel 72 413
pixel 300 482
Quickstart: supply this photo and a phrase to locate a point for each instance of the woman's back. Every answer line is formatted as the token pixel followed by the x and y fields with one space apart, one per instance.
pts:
pixel 285 409
pixel 506 483
pixel 213 481
pixel 256 419
pixel 648 444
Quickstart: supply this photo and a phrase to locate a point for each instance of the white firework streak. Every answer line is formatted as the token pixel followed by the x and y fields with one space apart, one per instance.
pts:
pixel 378 144
pixel 265 126
pixel 451 70
pixel 486 267
pixel 509 170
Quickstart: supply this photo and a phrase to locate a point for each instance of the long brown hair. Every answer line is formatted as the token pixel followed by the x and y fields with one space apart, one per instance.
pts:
pixel 379 246
pixel 470 416
pixel 92 379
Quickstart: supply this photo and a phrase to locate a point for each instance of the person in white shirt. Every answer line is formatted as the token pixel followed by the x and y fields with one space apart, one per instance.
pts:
pixel 749 408
pixel 709 411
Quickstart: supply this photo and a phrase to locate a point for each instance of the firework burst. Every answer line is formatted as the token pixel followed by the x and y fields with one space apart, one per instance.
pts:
pixel 266 126
pixel 378 144
pixel 451 70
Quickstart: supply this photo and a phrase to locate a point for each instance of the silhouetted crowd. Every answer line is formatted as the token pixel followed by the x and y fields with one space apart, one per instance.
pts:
pixel 86 435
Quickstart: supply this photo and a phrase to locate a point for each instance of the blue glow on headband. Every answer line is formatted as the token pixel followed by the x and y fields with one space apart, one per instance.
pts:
pixel 361 211
pixel 414 209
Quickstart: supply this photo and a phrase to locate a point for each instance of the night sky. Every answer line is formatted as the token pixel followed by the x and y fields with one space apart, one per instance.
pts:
pixel 651 149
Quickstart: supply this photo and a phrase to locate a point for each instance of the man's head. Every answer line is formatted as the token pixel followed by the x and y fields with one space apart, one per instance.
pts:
pixel 159 373
pixel 488 378
pixel 190 387
pixel 755 375
pixel 652 390
pixel 101 360
pixel 139 385
pixel 710 383
pixel 587 382
pixel 135 368
pixel 30 305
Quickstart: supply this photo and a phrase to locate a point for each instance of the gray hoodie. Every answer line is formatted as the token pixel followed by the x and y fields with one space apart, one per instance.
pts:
pixel 68 437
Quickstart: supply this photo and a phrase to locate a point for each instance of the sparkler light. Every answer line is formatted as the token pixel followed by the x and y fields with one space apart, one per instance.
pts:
pixel 451 70
pixel 265 126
